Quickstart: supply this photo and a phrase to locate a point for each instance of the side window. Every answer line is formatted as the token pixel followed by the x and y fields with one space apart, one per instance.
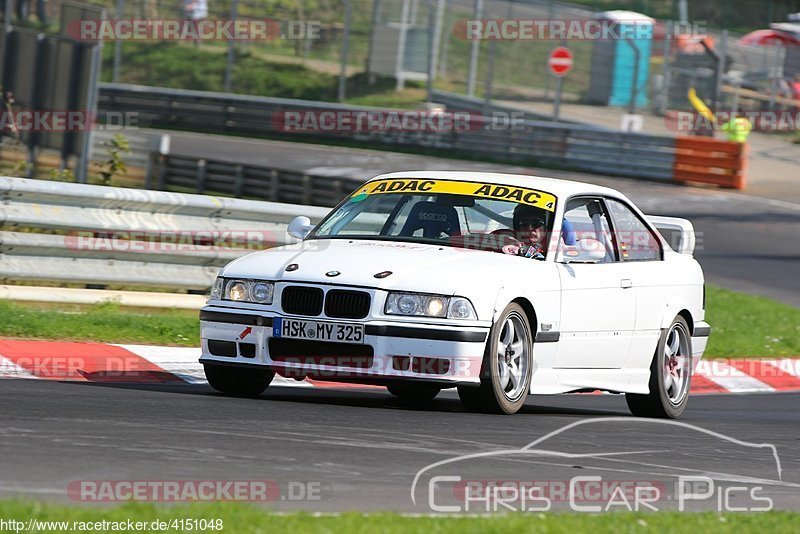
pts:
pixel 636 241
pixel 592 233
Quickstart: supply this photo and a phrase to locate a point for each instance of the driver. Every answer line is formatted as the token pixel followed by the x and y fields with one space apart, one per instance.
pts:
pixel 530 230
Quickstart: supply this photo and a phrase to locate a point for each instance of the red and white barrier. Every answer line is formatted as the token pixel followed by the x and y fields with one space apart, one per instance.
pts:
pixel 100 362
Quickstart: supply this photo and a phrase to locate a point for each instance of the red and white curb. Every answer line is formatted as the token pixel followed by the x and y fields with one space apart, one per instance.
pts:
pixel 100 362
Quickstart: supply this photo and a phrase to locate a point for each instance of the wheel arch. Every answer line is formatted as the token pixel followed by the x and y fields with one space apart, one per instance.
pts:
pixel 677 306
pixel 687 316
pixel 504 299
pixel 530 312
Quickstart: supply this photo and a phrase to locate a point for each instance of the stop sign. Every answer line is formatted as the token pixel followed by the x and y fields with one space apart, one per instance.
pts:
pixel 560 61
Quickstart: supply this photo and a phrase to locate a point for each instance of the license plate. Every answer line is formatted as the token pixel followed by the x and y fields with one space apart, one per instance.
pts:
pixel 317 330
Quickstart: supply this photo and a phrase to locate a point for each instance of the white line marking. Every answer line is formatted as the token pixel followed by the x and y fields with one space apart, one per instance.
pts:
pixel 180 361
pixel 9 369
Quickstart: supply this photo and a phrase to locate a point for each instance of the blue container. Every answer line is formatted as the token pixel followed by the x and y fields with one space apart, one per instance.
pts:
pixel 613 61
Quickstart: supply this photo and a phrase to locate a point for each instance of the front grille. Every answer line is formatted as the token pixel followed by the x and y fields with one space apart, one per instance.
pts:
pixel 305 352
pixel 347 304
pixel 300 300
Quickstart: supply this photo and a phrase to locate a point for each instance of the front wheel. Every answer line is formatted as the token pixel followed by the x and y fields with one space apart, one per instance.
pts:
pixel 238 381
pixel 507 366
pixel 670 375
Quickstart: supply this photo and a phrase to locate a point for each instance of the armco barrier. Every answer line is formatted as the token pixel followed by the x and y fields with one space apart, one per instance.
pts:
pixel 203 175
pixel 709 161
pixel 88 234
pixel 569 145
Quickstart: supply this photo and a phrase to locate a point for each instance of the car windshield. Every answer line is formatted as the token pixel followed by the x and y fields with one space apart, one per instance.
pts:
pixel 442 212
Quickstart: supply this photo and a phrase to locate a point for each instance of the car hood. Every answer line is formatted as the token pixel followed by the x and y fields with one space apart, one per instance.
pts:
pixel 414 267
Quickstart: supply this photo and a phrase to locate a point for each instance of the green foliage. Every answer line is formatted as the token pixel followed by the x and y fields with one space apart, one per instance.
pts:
pixel 62 175
pixel 114 165
pixel 177 65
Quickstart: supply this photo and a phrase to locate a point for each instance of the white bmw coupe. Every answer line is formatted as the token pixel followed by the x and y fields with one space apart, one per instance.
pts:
pixel 498 285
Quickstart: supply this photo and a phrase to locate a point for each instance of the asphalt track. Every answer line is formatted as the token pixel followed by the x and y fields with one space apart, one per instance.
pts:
pixel 745 242
pixel 362 449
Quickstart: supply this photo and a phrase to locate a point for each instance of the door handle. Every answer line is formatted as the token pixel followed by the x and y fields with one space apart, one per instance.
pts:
pixel 625 283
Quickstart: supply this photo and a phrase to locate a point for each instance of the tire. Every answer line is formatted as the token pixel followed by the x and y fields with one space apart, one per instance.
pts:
pixel 670 375
pixel 414 392
pixel 506 372
pixel 238 381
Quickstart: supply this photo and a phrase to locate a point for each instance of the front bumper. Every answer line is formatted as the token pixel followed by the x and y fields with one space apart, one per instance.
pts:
pixel 399 350
pixel 700 336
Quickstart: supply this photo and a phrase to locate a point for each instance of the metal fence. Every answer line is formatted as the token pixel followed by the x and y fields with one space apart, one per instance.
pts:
pixel 408 39
pixel 87 234
pixel 576 146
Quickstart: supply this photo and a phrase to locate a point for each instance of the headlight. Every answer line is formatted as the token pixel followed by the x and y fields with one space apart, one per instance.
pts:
pixel 238 290
pixel 461 308
pixel 262 292
pixel 216 289
pixel 248 291
pixel 416 304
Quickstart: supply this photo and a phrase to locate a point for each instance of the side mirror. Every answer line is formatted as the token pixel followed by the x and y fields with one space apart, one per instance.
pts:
pixel 300 227
pixel 595 254
pixel 584 251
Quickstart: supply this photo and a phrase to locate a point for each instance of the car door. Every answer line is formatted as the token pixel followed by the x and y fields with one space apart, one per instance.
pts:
pixel 598 307
pixel 642 251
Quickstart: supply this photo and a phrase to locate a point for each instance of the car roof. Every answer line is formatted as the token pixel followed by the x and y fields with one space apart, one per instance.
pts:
pixel 555 186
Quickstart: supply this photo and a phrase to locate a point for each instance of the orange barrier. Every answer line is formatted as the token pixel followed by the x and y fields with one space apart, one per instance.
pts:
pixel 710 161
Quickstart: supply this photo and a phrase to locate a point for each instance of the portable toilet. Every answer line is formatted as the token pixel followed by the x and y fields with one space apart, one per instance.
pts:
pixel 613 59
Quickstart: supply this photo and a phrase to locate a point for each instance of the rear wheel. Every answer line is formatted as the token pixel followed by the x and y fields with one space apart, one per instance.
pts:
pixel 238 381
pixel 414 392
pixel 670 375
pixel 507 366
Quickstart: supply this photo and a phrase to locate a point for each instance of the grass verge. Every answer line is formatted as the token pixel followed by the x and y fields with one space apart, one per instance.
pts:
pixel 746 325
pixel 242 518
pixel 106 322
pixel 742 325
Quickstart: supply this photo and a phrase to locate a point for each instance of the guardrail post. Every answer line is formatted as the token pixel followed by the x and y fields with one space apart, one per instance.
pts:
pixel 239 182
pixel 201 176
pixel 152 162
pixel 273 185
pixel 162 173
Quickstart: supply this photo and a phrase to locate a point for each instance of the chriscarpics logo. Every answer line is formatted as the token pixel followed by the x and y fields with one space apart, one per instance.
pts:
pixel 564 470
